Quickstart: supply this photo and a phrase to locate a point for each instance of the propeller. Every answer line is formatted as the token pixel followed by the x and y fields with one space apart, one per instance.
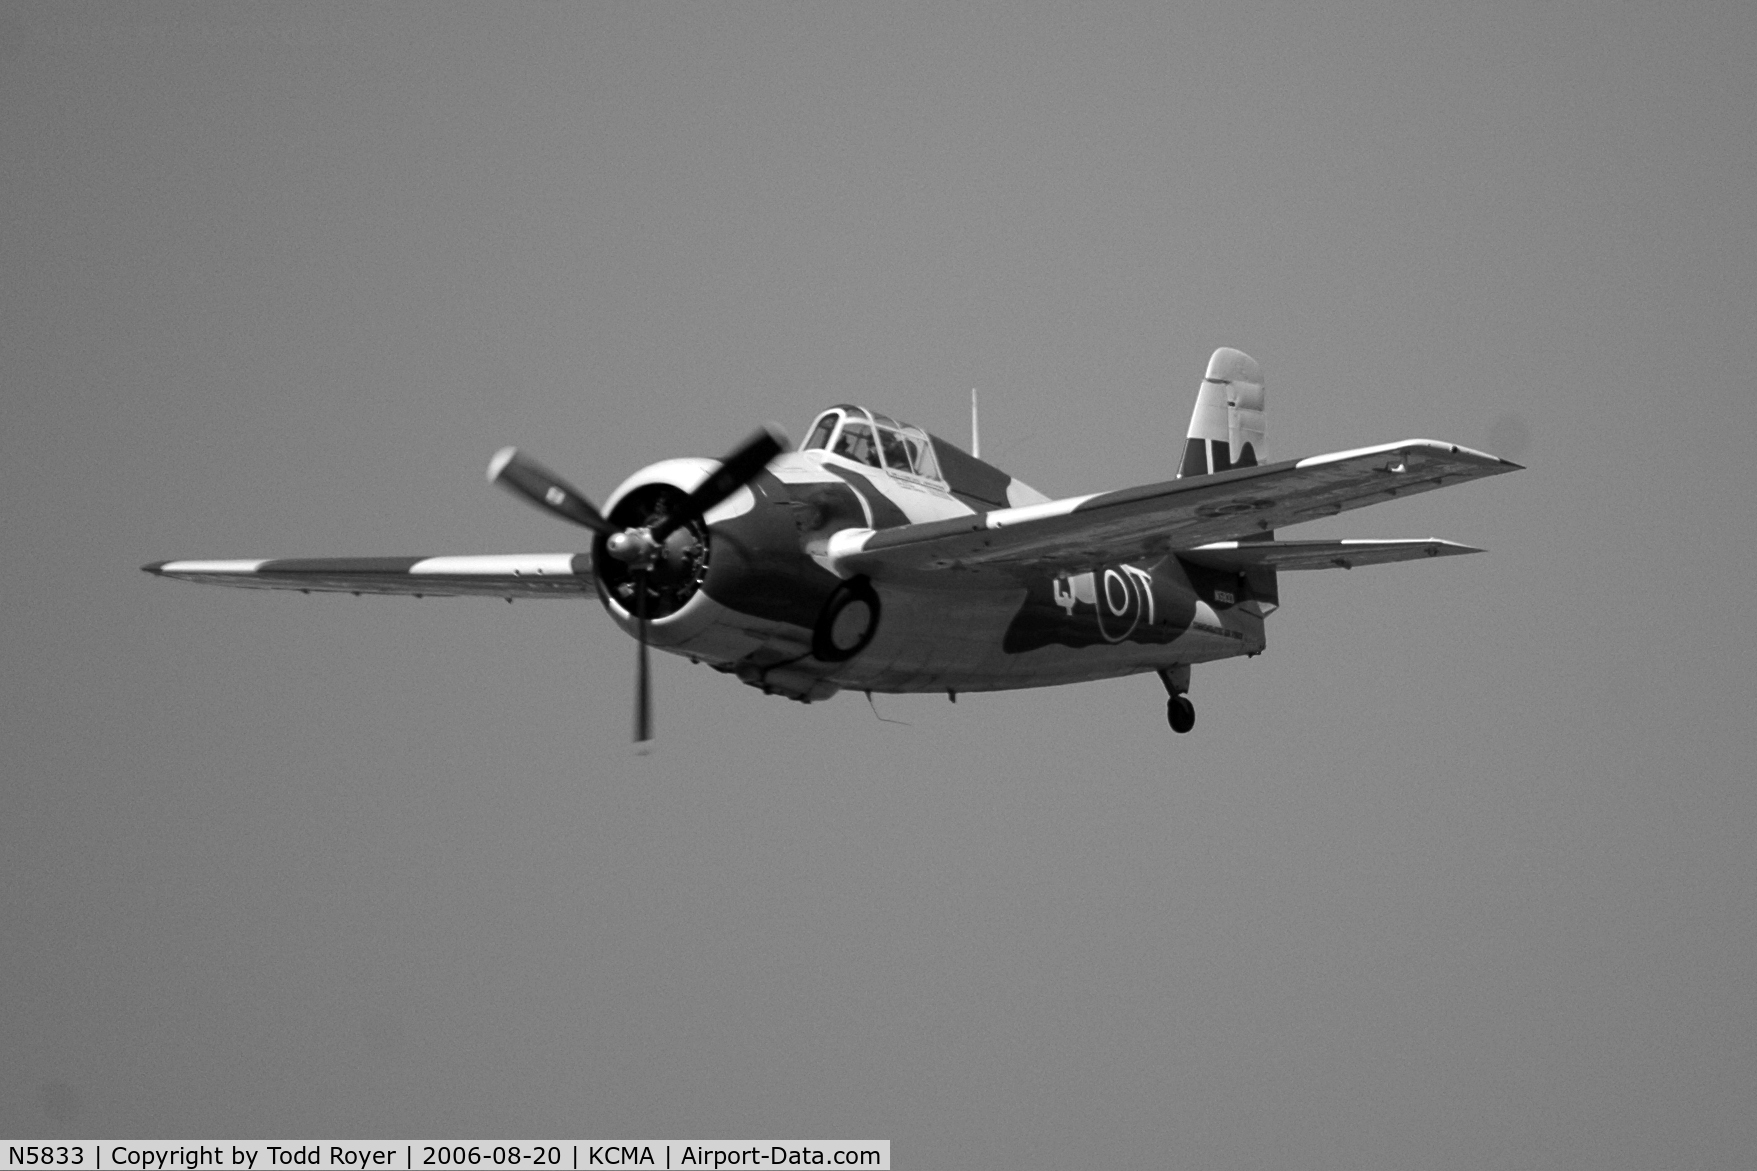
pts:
pixel 636 546
pixel 643 680
pixel 523 476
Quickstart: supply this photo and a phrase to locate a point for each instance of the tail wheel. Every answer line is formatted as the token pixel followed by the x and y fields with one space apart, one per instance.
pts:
pixel 848 621
pixel 1180 713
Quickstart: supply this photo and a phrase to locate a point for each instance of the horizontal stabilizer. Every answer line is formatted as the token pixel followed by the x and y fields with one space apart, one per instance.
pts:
pixel 515 575
pixel 1238 556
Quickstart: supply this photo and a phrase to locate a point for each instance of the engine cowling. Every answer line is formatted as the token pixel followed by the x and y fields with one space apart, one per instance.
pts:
pixel 678 573
pixel 740 588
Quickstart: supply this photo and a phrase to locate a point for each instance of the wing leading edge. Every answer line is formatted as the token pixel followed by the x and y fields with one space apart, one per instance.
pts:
pixel 1175 515
pixel 516 575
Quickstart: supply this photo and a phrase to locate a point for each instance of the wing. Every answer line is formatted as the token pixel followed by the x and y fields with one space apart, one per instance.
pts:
pixel 1158 518
pixel 1238 556
pixel 516 575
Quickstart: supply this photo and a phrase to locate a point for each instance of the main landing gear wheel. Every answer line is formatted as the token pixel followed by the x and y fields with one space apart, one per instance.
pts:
pixel 1180 713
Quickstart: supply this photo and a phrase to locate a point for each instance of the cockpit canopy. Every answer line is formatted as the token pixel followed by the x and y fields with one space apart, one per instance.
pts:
pixel 877 440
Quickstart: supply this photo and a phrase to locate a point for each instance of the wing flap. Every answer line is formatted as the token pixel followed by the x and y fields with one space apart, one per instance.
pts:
pixel 517 575
pixel 1172 515
pixel 1238 556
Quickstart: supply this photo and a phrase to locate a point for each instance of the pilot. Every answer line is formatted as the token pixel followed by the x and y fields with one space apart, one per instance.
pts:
pixel 856 443
pixel 896 455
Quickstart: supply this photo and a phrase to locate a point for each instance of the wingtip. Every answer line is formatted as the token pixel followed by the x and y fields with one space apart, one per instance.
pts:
pixel 1476 451
pixel 498 464
pixel 156 568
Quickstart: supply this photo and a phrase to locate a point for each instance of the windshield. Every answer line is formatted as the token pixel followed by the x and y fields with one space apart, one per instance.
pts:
pixel 820 434
pixel 857 444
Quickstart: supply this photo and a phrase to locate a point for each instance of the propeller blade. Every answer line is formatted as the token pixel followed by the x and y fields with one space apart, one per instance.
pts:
pixel 643 689
pixel 523 476
pixel 738 469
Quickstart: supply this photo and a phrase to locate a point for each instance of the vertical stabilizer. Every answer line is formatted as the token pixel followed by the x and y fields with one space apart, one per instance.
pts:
pixel 1227 426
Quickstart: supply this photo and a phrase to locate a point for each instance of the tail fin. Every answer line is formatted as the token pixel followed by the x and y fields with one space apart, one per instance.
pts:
pixel 1226 428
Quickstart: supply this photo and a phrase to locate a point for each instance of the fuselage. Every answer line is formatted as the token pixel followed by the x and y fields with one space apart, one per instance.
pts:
pixel 756 595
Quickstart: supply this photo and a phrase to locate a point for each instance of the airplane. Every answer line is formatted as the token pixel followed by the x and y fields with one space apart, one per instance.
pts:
pixel 877 557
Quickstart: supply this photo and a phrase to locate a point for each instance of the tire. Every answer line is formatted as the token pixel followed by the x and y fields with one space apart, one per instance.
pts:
pixel 847 623
pixel 1180 713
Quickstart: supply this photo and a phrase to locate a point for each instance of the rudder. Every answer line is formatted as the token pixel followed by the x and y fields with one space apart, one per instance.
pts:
pixel 1227 426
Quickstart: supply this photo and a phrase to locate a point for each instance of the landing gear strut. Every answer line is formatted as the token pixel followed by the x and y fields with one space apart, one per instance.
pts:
pixel 1180 713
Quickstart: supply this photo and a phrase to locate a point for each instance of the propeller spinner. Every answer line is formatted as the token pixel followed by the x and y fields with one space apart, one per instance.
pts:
pixel 640 547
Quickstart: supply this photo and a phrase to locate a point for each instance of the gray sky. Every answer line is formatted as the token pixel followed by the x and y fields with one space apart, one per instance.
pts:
pixel 1458 874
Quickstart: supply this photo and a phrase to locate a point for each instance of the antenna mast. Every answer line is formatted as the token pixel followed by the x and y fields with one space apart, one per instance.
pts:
pixel 975 431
